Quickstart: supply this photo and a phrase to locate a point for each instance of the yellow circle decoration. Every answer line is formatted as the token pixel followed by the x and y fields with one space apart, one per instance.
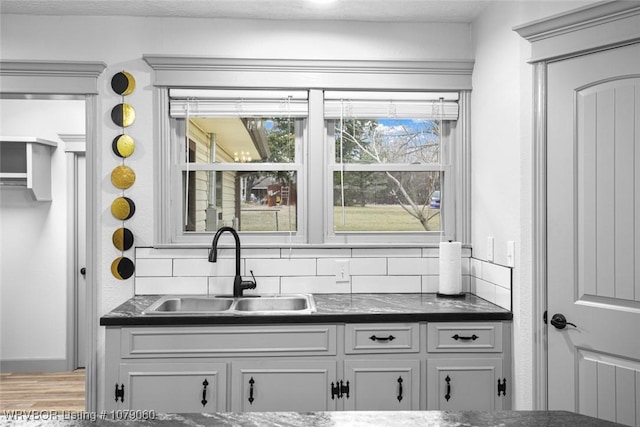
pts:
pixel 122 239
pixel 122 268
pixel 123 114
pixel 123 83
pixel 123 145
pixel 123 208
pixel 123 177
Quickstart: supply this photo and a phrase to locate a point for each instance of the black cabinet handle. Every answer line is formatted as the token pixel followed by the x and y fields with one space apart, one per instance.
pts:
pixel 383 339
pixel 448 395
pixel 471 338
pixel 399 389
pixel 205 383
pixel 251 383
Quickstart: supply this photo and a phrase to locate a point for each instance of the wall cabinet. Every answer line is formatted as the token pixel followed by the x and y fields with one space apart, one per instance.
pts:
pixel 26 162
pixel 308 367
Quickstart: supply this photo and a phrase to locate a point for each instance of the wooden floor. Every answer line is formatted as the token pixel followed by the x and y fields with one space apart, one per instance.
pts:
pixel 59 391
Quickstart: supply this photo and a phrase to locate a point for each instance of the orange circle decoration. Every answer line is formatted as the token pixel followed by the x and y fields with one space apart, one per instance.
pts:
pixel 122 239
pixel 123 208
pixel 123 83
pixel 123 145
pixel 122 268
pixel 123 177
pixel 123 115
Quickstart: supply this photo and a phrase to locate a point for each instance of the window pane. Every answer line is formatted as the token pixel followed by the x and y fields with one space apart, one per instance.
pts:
pixel 410 141
pixel 239 139
pixel 386 201
pixel 247 201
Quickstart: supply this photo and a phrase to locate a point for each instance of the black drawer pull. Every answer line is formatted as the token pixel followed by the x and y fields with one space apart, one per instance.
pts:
pixel 251 383
pixel 448 395
pixel 205 383
pixel 399 389
pixel 471 338
pixel 383 339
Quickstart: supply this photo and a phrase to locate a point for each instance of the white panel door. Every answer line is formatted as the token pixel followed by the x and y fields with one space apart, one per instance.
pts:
pixel 593 242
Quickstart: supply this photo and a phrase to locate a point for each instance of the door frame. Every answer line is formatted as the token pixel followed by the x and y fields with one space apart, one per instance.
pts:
pixel 575 33
pixel 77 80
pixel 75 146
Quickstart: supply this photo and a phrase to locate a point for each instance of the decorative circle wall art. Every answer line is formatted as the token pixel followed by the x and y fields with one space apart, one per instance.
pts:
pixel 122 268
pixel 123 145
pixel 123 83
pixel 123 208
pixel 122 176
pixel 123 115
pixel 122 239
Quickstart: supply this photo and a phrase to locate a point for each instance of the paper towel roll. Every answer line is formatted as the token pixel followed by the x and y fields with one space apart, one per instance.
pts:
pixel 450 268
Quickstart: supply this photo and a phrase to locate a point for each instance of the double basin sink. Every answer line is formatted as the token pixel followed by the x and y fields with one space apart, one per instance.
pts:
pixel 245 305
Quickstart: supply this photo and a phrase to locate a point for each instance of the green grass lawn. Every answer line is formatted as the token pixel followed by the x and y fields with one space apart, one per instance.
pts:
pixel 357 218
pixel 380 218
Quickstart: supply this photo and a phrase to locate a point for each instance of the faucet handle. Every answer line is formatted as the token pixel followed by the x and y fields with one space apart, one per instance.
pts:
pixel 249 284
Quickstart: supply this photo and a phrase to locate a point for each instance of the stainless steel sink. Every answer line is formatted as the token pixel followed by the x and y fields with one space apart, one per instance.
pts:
pixel 285 303
pixel 224 305
pixel 191 304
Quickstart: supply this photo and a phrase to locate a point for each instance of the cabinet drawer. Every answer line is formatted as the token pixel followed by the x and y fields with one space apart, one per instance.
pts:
pixel 382 338
pixel 242 341
pixel 464 337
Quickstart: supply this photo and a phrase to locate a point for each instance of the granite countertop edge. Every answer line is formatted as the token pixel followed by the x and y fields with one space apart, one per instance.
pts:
pixel 331 308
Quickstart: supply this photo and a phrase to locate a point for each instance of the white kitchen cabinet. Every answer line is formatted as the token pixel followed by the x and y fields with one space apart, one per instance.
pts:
pixel 26 162
pixel 467 365
pixel 172 387
pixel 282 385
pixel 382 385
pixel 308 367
pixel 470 384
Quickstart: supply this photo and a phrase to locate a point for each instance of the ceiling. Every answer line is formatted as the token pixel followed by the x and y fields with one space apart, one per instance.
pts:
pixel 348 10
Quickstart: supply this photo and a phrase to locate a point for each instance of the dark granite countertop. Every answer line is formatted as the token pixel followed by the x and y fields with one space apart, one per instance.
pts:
pixel 331 308
pixel 334 419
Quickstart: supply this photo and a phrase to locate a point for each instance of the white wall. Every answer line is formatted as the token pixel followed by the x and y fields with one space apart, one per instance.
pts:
pixel 33 247
pixel 121 42
pixel 501 127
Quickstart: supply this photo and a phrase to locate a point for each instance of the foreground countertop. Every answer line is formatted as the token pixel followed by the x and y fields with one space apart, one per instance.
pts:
pixel 336 419
pixel 369 308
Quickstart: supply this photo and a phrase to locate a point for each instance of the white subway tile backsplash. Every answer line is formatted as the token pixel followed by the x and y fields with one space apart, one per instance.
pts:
pixel 223 285
pixel 171 285
pixel 316 253
pixel 314 285
pixel 503 297
pixel 485 290
pixel 313 270
pixel 430 284
pixel 497 274
pixel 171 253
pixel 387 253
pixel 282 267
pixel 153 267
pixel 202 267
pixel 389 284
pixel 408 266
pixel 368 266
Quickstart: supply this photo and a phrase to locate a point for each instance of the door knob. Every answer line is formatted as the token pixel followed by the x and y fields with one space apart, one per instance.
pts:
pixel 560 322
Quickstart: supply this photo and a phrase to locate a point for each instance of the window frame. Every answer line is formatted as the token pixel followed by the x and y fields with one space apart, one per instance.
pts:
pixel 180 72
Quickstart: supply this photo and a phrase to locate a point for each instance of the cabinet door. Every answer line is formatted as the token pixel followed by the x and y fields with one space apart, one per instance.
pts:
pixel 173 387
pixel 282 385
pixel 464 384
pixel 382 385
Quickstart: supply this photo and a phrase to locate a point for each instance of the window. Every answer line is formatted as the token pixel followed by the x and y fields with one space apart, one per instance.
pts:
pixel 238 162
pixel 306 152
pixel 389 161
